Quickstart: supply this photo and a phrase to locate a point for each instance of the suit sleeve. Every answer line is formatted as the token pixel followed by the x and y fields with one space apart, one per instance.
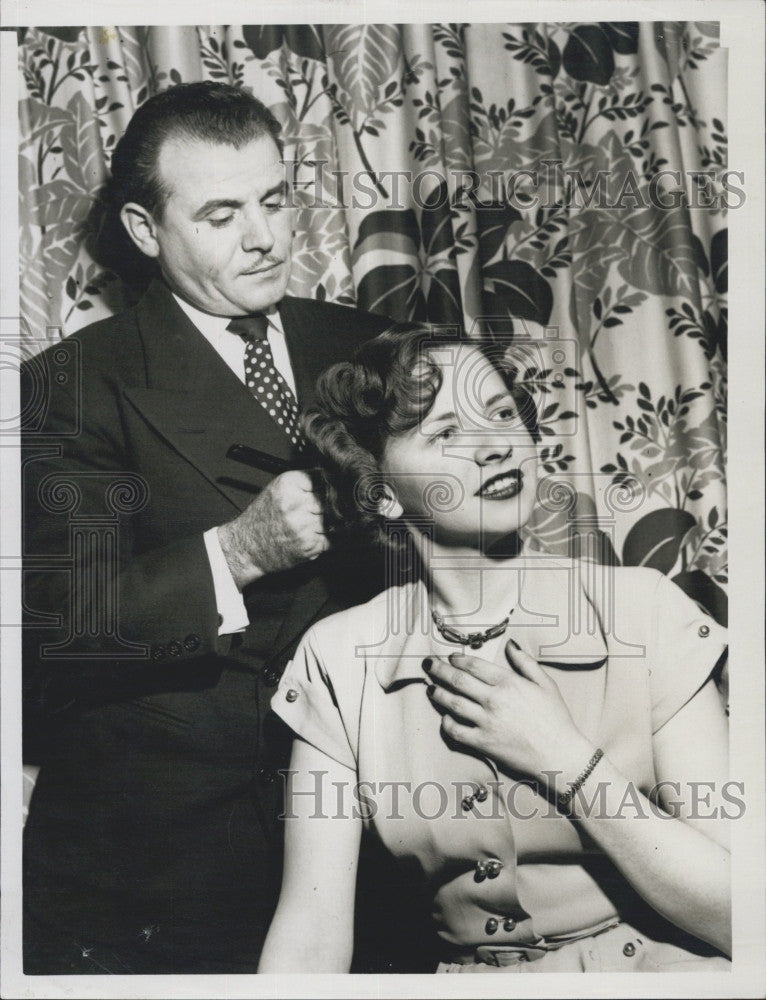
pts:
pixel 99 604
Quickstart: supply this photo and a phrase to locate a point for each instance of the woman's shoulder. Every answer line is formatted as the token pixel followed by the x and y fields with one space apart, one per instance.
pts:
pixel 635 590
pixel 599 579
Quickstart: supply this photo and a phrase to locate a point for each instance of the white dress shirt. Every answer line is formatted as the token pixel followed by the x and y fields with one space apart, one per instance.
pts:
pixel 231 347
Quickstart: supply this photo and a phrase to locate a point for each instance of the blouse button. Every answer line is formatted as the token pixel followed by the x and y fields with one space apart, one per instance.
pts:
pixel 480 872
pixel 629 950
pixel 703 631
pixel 493 867
pixel 481 794
pixel 509 924
pixel 467 803
pixel 491 926
pixel 292 695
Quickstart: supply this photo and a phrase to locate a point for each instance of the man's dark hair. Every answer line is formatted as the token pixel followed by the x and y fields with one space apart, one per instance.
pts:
pixel 204 111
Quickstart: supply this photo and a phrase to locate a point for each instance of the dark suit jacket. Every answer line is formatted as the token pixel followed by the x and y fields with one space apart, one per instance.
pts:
pixel 152 825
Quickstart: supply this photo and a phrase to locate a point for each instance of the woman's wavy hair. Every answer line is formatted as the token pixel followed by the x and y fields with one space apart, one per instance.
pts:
pixel 387 388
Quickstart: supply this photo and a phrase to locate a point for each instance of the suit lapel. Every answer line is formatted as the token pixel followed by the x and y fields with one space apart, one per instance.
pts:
pixel 196 403
pixel 311 344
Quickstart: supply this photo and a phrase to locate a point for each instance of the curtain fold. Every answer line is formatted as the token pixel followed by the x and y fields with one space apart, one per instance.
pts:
pixel 563 184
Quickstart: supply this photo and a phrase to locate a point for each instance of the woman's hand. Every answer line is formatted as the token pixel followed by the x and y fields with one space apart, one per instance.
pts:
pixel 515 716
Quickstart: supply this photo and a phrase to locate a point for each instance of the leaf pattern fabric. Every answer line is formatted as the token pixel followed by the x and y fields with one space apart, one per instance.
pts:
pixel 564 185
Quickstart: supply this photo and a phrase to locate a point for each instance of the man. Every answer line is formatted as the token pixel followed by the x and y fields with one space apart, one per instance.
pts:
pixel 166 584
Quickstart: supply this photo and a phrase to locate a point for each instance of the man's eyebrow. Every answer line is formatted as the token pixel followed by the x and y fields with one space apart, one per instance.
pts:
pixel 282 188
pixel 213 204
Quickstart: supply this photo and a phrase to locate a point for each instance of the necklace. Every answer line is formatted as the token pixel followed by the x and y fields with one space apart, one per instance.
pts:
pixel 473 639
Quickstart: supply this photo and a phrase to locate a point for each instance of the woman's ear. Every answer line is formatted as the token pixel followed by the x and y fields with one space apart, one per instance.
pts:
pixel 388 505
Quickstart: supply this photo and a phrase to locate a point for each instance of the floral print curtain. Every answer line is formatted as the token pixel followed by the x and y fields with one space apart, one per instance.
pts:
pixel 564 185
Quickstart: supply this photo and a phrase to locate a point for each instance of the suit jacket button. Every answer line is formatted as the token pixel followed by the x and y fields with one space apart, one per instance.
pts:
pixel 629 950
pixel 703 631
pixel 292 695
pixel 159 652
pixel 191 642
pixel 174 648
pixel 509 924
pixel 491 926
pixel 220 620
pixel 270 678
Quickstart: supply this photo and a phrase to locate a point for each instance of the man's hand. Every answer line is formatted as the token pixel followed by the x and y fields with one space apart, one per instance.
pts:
pixel 281 528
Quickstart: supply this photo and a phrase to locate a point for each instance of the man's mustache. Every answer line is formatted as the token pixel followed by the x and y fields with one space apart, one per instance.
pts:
pixel 265 261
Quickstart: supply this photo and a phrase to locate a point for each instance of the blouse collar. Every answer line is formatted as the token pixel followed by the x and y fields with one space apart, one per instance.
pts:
pixel 554 621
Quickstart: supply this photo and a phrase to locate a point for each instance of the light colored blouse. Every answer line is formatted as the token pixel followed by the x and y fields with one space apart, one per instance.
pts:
pixel 627 649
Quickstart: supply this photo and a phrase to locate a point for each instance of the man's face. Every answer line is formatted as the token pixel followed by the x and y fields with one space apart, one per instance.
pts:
pixel 225 238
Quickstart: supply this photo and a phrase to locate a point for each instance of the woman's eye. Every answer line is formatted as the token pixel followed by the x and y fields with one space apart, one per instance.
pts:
pixel 506 414
pixel 443 435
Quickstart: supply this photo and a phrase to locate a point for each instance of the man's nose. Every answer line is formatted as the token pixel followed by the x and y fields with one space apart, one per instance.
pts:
pixel 257 233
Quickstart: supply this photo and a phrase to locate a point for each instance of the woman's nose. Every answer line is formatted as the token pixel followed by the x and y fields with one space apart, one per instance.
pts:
pixel 493 452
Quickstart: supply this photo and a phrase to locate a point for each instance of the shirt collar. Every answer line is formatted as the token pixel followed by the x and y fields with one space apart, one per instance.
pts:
pixel 213 328
pixel 554 621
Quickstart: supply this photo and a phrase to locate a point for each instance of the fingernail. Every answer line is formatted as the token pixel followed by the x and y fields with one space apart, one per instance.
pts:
pixel 430 690
pixel 427 664
pixel 515 644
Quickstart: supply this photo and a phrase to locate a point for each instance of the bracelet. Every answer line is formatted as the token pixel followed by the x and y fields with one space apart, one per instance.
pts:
pixel 574 786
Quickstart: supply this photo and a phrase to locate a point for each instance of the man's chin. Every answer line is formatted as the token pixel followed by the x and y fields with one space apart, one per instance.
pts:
pixel 267 294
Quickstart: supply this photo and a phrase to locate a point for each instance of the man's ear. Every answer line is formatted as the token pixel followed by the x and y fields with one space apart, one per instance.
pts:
pixel 388 505
pixel 141 228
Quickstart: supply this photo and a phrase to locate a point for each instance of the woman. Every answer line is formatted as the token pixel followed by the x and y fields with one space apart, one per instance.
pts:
pixel 529 735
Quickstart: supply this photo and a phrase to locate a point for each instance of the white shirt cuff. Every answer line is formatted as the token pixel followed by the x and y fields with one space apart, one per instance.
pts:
pixel 232 614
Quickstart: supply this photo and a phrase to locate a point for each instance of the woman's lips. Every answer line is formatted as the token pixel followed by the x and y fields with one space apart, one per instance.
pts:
pixel 502 486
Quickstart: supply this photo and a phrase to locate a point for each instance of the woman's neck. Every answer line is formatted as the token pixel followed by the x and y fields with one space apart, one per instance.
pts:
pixel 466 586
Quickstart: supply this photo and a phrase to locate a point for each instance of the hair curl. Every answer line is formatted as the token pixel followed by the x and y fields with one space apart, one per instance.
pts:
pixel 385 390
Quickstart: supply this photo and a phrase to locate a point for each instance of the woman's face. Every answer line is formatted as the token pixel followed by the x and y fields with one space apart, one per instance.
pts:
pixel 469 467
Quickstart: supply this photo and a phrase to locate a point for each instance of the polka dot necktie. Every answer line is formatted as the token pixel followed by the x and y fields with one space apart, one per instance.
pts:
pixel 263 378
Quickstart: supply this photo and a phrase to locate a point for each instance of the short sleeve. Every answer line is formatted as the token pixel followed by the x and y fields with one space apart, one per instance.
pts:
pixel 689 644
pixel 306 701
